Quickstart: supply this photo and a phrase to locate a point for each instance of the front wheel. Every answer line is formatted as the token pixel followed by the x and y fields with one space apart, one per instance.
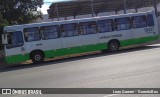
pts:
pixel 113 46
pixel 37 57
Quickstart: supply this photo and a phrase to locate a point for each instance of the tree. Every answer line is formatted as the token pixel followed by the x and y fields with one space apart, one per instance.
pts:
pixel 21 11
pixel 3 23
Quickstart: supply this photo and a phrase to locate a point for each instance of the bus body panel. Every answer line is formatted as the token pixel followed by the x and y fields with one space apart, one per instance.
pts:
pixel 16 55
pixel 118 35
pixel 71 45
pixel 81 43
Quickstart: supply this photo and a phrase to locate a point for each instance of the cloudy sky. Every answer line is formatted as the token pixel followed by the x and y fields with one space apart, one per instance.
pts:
pixel 46 5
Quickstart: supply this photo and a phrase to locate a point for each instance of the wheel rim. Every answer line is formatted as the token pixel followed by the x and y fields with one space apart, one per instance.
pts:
pixel 37 57
pixel 114 46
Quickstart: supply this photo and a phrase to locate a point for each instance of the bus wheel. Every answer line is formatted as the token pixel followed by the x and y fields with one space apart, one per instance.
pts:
pixel 37 57
pixel 113 46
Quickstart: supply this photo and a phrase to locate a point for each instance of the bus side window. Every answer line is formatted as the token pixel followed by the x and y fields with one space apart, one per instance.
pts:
pixel 32 34
pixel 88 28
pixel 50 32
pixel 139 21
pixel 69 30
pixel 150 20
pixel 122 23
pixel 105 26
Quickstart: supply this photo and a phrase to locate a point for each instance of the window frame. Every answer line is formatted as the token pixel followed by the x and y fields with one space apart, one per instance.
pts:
pixel 10 46
pixel 139 22
pixel 112 25
pixel 39 34
pixel 42 28
pixel 69 30
pixel 116 25
pixel 87 28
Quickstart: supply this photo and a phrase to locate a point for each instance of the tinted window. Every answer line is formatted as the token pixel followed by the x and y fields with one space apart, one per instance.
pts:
pixel 150 20
pixel 88 28
pixel 139 21
pixel 49 32
pixel 69 30
pixel 31 34
pixel 105 26
pixel 15 39
pixel 122 23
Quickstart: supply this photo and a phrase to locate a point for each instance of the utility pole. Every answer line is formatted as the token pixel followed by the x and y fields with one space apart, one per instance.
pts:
pixel 92 8
pixel 155 7
pixel 57 11
pixel 124 4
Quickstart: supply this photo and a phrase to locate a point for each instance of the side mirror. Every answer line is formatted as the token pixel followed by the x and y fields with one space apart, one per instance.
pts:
pixel 4 39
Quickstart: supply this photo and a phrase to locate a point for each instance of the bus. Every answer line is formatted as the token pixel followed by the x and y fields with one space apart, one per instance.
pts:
pixel 39 41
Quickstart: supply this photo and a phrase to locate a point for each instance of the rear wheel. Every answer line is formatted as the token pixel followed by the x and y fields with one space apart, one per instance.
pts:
pixel 113 46
pixel 37 57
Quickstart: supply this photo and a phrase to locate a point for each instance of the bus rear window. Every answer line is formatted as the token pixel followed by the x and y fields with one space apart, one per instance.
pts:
pixel 150 20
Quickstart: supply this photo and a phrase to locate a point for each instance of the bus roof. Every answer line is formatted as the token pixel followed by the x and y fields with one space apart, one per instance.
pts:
pixel 17 27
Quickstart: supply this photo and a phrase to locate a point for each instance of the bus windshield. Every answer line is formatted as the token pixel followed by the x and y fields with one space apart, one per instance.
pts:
pixel 15 39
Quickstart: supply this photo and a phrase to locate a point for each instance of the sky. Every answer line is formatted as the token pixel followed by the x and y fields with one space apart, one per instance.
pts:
pixel 46 5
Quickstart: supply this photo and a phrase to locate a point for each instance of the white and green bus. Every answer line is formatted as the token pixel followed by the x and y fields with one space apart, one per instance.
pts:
pixel 60 38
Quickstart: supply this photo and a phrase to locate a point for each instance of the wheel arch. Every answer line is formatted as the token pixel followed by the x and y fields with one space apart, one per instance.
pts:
pixel 37 50
pixel 114 40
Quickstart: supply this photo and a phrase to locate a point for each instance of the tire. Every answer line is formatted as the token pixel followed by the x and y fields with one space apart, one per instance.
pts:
pixel 113 46
pixel 37 57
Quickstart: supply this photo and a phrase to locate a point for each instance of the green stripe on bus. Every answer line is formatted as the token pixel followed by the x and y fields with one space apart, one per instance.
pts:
pixel 138 40
pixel 80 49
pixel 17 58
pixel 75 50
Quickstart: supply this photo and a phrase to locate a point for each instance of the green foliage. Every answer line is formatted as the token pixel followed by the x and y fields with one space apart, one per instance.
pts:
pixel 21 11
pixel 3 23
